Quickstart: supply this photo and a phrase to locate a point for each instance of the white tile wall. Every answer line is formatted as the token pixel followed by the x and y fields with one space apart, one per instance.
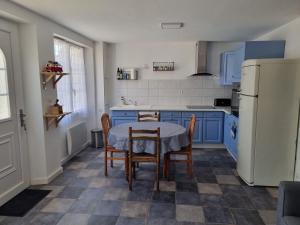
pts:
pixel 197 91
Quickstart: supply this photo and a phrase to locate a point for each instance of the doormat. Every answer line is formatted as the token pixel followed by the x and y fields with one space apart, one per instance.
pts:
pixel 23 202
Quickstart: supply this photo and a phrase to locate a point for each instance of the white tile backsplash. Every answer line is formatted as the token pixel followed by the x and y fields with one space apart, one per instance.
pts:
pixel 191 91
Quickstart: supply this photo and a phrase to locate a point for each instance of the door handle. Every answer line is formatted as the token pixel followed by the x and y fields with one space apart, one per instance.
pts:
pixel 22 120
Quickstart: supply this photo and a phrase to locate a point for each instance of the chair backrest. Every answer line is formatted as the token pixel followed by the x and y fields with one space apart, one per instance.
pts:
pixel 105 122
pixel 191 129
pixel 147 135
pixel 148 117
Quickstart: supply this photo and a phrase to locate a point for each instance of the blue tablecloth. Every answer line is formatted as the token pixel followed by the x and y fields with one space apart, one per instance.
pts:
pixel 173 137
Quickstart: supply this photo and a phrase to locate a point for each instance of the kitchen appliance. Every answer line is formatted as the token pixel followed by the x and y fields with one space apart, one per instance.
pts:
pixel 268 121
pixel 200 60
pixel 235 101
pixel 222 102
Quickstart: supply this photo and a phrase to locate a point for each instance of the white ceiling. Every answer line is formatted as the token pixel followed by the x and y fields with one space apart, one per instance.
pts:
pixel 139 20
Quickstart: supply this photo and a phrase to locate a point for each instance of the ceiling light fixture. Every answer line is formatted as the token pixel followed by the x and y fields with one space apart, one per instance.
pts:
pixel 171 25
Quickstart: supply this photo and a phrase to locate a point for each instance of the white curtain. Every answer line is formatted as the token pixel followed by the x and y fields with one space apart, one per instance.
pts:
pixel 71 89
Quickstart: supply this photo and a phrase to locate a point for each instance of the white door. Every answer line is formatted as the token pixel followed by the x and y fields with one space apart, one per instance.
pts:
pixel 246 140
pixel 13 176
pixel 249 80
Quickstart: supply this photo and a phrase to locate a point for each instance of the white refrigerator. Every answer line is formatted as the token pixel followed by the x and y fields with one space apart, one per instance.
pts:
pixel 268 121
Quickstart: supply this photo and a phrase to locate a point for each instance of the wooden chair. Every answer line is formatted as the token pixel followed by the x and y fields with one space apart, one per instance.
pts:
pixel 146 135
pixel 187 151
pixel 148 117
pixel 106 125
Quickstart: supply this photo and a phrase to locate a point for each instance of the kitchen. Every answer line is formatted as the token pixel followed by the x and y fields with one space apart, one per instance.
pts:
pixel 220 78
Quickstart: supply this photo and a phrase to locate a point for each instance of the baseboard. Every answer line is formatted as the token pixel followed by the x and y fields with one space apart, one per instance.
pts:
pixel 68 157
pixel 218 146
pixel 48 179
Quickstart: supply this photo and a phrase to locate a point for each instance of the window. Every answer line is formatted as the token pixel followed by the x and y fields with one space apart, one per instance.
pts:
pixel 71 90
pixel 4 94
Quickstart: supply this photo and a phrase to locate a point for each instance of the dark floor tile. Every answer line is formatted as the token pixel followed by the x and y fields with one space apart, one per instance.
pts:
pixel 163 197
pixel 80 182
pixel 140 195
pixel 233 189
pixel 261 198
pixel 130 221
pixel 247 217
pixel 217 215
pixel 161 221
pixel 238 201
pixel 92 193
pixel 223 171
pixel 45 218
pixel 95 165
pixel 102 220
pixel 212 200
pixel 84 206
pixel 201 163
pixel 186 186
pixel 162 210
pixel 70 192
pixel 264 203
pixel 187 198
pixel 108 208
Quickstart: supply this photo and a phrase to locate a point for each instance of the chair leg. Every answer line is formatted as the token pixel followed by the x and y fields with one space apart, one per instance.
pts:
pixel 157 175
pixel 133 170
pixel 165 165
pixel 137 165
pixel 190 165
pixel 126 165
pixel 111 161
pixel 105 163
pixel 168 166
pixel 130 175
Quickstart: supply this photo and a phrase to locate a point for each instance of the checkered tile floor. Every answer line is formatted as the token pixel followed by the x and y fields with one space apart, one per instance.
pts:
pixel 215 195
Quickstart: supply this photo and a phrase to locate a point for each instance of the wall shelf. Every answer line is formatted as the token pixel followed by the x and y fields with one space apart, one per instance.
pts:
pixel 163 66
pixel 54 118
pixel 54 76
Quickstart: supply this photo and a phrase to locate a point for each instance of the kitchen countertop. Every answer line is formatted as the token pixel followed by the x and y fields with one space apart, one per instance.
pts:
pixel 168 108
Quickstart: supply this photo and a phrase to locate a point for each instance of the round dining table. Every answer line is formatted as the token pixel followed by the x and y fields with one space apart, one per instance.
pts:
pixel 173 137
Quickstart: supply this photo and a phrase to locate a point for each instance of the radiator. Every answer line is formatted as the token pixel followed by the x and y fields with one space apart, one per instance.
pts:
pixel 77 138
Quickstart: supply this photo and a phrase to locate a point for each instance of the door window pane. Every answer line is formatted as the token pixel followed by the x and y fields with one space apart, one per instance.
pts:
pixel 4 94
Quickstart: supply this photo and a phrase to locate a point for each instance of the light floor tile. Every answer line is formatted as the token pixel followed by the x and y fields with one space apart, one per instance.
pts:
pixel 188 213
pixel 227 179
pixel 58 205
pixel 207 188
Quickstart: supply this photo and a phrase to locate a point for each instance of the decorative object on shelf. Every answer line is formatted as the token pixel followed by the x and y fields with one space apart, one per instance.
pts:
pixel 52 71
pixel 163 66
pixel 127 74
pixel 55 114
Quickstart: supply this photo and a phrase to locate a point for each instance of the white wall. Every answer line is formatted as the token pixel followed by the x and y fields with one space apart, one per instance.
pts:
pixel 47 148
pixel 164 88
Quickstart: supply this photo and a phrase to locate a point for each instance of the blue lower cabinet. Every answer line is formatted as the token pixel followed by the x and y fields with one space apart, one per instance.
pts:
pixel 231 134
pixel 213 130
pixel 176 120
pixel 197 138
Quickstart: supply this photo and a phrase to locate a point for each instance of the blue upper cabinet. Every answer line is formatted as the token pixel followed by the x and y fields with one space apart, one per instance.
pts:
pixel 231 61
